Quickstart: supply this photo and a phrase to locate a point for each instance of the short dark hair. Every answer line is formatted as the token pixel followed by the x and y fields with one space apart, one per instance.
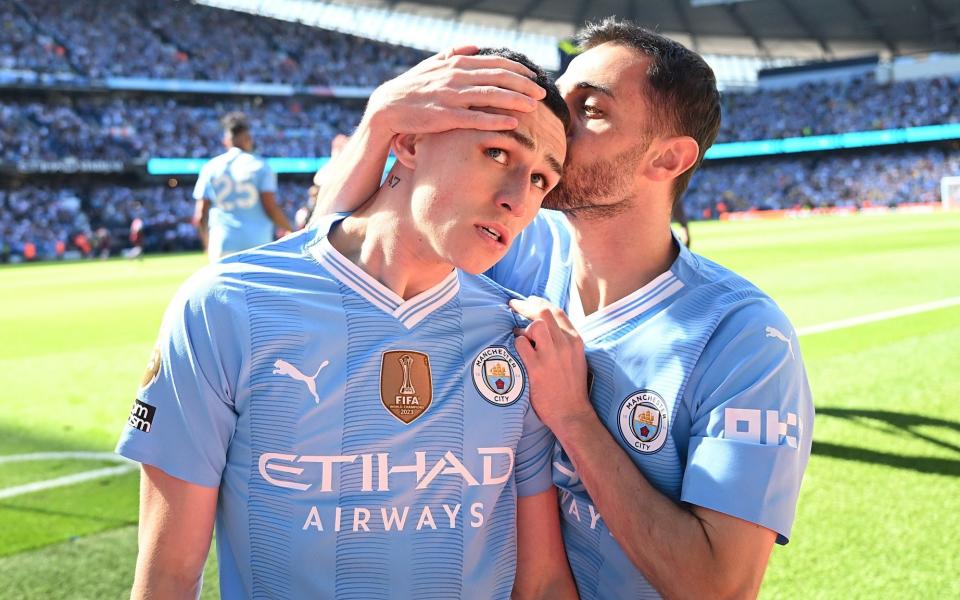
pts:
pixel 684 86
pixel 553 99
pixel 235 123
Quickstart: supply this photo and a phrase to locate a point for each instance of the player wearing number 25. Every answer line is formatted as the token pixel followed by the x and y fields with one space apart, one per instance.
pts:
pixel 236 195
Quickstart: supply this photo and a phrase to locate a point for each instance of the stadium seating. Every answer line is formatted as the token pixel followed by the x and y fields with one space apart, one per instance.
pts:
pixel 878 177
pixel 173 40
pixel 182 40
pixel 859 104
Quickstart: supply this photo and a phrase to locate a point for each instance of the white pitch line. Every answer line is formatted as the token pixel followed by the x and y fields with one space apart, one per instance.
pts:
pixel 66 480
pixel 105 456
pixel 880 316
pixel 127 466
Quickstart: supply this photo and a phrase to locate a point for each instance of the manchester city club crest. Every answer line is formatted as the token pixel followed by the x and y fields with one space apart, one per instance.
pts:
pixel 643 421
pixel 498 376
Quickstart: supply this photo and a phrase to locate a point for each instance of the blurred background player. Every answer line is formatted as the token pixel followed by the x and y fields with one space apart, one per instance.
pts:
pixel 236 195
pixel 303 216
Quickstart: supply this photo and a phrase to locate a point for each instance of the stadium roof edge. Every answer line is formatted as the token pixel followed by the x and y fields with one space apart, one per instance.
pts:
pixel 807 29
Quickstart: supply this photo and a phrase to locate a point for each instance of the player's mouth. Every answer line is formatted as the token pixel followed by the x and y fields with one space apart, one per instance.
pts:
pixel 494 232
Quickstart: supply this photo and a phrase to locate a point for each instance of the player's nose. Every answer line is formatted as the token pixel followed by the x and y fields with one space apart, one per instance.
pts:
pixel 513 195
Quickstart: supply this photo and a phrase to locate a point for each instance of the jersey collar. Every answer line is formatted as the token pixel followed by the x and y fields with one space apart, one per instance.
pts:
pixel 639 303
pixel 408 312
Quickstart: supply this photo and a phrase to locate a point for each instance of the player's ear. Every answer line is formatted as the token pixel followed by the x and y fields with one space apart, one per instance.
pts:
pixel 672 157
pixel 404 147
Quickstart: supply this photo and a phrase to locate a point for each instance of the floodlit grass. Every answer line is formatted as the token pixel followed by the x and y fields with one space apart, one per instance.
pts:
pixel 878 511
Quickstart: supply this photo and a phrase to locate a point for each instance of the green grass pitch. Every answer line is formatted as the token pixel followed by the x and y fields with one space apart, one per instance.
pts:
pixel 879 513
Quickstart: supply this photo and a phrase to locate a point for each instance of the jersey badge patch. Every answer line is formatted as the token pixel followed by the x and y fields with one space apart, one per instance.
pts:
pixel 498 376
pixel 153 368
pixel 406 385
pixel 644 421
pixel 141 416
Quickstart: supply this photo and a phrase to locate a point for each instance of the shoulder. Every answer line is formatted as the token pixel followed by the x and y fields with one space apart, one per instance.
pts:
pixel 481 296
pixel 549 225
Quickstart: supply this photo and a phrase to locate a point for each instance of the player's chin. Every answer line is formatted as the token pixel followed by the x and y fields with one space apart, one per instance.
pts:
pixel 477 264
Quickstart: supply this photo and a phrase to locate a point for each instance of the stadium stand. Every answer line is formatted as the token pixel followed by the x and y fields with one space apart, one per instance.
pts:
pixel 134 128
pixel 50 125
pixel 859 104
pixel 887 177
pixel 174 41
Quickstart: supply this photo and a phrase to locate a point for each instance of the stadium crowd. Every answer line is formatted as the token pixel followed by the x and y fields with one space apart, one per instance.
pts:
pixel 859 104
pixel 136 128
pixel 44 222
pixel 182 40
pixel 174 40
pixel 49 219
pixel 128 127
pixel 878 178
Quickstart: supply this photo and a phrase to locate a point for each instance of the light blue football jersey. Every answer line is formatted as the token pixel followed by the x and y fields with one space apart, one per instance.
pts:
pixel 698 376
pixel 233 182
pixel 365 447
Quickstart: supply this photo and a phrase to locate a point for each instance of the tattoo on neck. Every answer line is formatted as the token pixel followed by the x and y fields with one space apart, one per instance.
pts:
pixel 393 180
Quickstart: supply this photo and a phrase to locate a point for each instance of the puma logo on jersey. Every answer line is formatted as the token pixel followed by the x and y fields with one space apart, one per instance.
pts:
pixel 282 367
pixel 773 332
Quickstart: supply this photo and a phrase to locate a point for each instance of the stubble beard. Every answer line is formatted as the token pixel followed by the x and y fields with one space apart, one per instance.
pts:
pixel 601 189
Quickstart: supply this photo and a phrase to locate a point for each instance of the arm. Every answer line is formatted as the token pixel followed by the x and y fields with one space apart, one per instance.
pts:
pixel 176 523
pixel 201 217
pixel 435 95
pixel 270 206
pixel 542 569
pixel 682 550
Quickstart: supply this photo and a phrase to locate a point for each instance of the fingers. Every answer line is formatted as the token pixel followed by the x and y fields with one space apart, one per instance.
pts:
pixel 525 349
pixel 464 118
pixel 552 321
pixel 473 62
pixel 505 79
pixel 457 50
pixel 494 97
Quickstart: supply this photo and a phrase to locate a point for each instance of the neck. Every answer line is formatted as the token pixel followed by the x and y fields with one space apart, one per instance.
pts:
pixel 380 239
pixel 614 257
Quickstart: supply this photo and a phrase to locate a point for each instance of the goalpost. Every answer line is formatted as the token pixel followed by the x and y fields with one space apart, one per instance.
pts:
pixel 950 193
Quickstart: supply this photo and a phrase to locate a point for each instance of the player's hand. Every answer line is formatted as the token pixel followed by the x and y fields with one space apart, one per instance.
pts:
pixel 437 94
pixel 553 354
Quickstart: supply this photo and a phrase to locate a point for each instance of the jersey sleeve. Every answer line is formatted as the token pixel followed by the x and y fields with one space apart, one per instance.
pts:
pixel 525 267
pixel 202 189
pixel 184 414
pixel 533 470
pixel 752 420
pixel 267 179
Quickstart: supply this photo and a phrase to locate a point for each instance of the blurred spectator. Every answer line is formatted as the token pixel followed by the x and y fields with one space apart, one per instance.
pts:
pixel 860 104
pixel 124 128
pixel 879 177
pixel 173 40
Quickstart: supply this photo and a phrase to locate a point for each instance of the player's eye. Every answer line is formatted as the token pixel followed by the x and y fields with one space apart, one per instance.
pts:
pixel 592 111
pixel 497 154
pixel 540 181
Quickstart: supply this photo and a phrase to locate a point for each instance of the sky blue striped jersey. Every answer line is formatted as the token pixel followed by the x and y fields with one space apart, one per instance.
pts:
pixel 698 376
pixel 233 182
pixel 365 447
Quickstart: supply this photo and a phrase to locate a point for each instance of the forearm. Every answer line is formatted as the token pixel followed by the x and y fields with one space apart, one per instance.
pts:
pixel 160 582
pixel 542 568
pixel 173 538
pixel 355 174
pixel 667 542
pixel 279 218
